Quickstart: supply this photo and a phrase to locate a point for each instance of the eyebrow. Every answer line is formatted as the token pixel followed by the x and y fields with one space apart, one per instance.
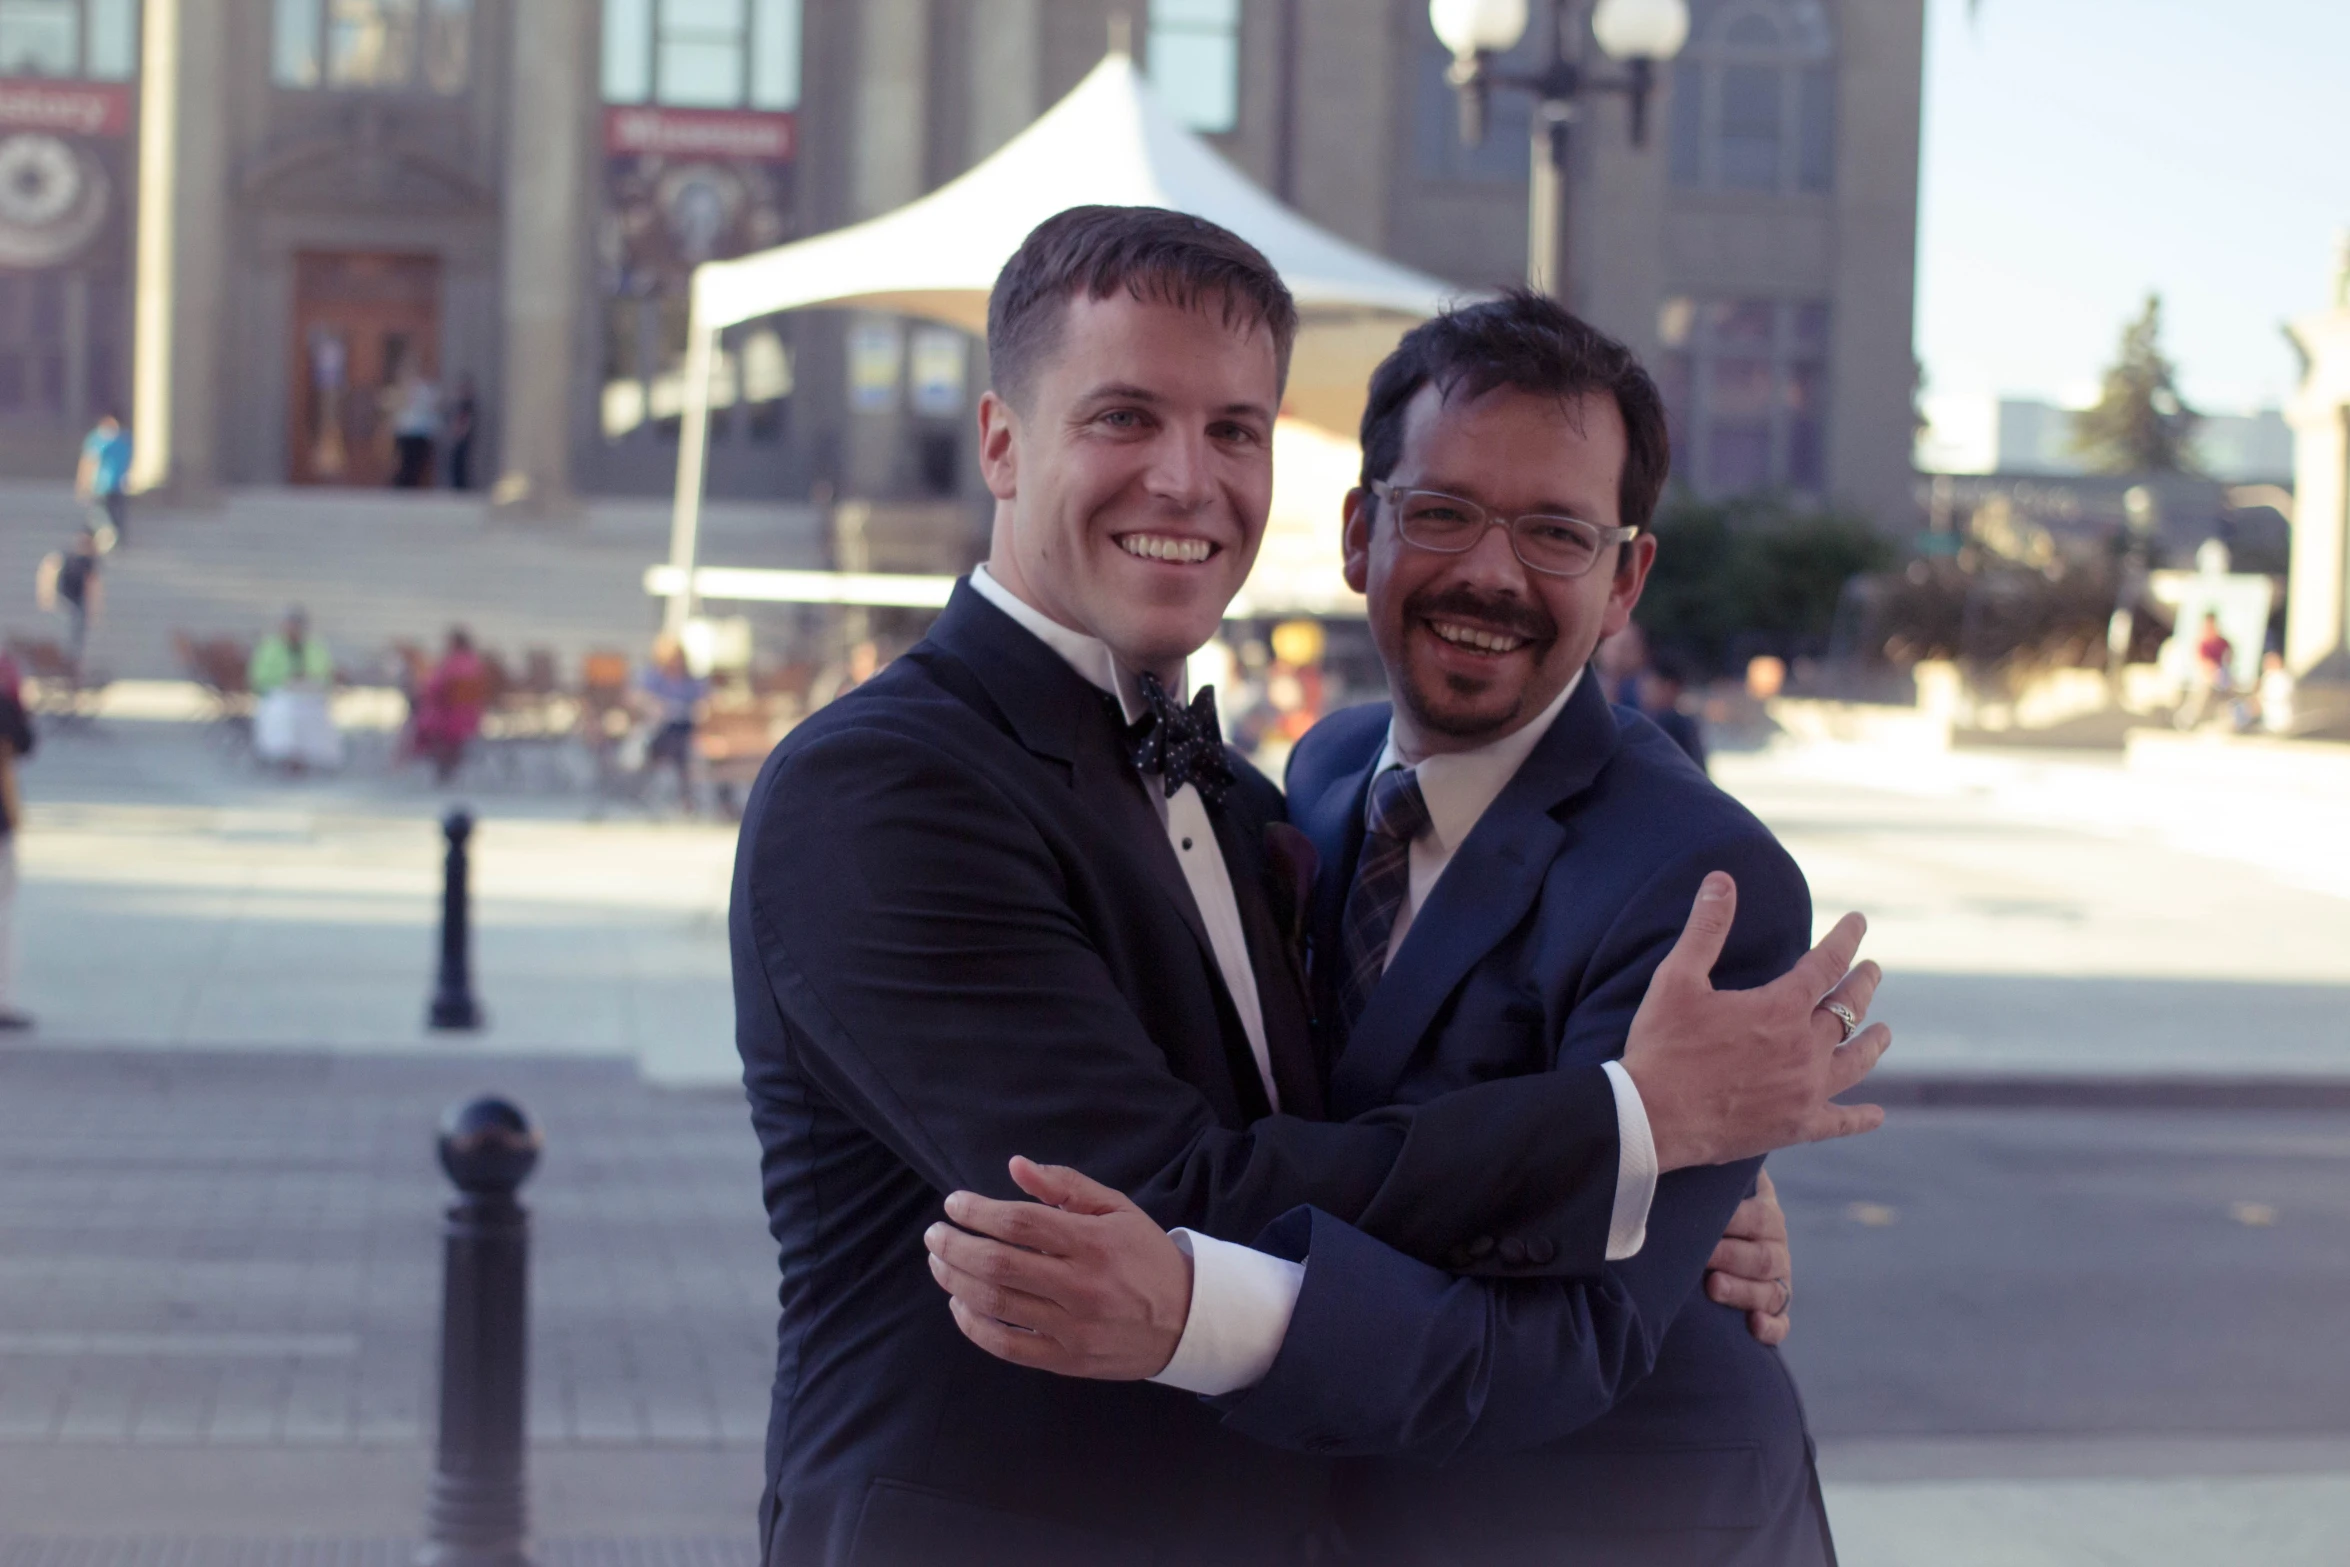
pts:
pixel 1124 392
pixel 1468 492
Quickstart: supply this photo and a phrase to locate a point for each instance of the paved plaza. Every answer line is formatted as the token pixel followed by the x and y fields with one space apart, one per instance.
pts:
pixel 2027 1334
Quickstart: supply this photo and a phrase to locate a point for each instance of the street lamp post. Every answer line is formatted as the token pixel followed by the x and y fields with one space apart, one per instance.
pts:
pixel 1639 34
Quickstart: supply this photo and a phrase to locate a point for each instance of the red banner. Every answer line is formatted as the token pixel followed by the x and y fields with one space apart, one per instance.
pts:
pixel 640 131
pixel 65 108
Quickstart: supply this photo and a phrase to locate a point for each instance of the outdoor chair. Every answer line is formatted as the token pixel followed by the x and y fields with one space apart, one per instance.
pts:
pixel 218 667
pixel 54 688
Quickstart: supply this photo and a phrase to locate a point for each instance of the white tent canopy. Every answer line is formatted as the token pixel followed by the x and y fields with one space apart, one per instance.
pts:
pixel 1109 142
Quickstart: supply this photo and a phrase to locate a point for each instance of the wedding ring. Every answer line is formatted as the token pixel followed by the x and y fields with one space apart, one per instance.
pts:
pixel 1844 1015
pixel 1786 1297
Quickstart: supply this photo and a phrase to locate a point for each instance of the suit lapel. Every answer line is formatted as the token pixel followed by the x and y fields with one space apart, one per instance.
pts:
pixel 1060 715
pixel 1281 996
pixel 1487 889
pixel 1334 821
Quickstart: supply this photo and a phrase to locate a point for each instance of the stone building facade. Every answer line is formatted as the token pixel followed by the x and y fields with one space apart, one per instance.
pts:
pixel 314 199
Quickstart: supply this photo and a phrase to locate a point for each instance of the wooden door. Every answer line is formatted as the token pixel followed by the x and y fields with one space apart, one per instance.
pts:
pixel 362 321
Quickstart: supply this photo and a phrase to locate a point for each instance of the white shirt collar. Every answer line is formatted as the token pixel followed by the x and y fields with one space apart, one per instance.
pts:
pixel 1460 786
pixel 1089 656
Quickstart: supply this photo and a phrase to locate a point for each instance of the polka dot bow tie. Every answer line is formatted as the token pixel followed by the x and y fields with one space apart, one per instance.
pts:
pixel 1182 745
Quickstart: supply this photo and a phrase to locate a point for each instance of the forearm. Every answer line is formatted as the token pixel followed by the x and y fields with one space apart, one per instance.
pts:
pixel 1382 1355
pixel 919 941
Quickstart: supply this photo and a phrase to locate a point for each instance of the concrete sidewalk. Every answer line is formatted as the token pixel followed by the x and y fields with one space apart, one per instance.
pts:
pixel 2055 917
pixel 175 898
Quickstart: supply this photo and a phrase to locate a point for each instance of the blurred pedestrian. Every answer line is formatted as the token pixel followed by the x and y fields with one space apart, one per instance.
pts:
pixel 292 675
pixel 1662 686
pixel 464 419
pixel 16 743
pixel 71 584
pixel 2276 695
pixel 1619 661
pixel 414 430
pixel 99 478
pixel 2210 680
pixel 450 706
pixel 673 696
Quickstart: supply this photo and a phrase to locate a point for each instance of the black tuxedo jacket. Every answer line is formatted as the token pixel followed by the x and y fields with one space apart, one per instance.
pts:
pixel 1624 1419
pixel 959 933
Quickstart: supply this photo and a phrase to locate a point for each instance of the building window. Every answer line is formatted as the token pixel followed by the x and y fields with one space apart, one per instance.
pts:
pixel 1194 55
pixel 703 54
pixel 1745 384
pixel 1754 97
pixel 372 45
pixel 87 40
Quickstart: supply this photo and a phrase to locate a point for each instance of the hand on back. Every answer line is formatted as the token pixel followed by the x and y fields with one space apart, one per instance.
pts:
pixel 1080 1281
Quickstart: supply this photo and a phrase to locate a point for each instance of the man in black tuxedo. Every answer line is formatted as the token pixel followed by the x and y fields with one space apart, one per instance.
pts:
pixel 1013 898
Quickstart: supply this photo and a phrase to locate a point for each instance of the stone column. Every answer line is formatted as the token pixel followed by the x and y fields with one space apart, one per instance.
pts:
pixel 2316 646
pixel 179 287
pixel 1005 52
pixel 550 129
pixel 885 172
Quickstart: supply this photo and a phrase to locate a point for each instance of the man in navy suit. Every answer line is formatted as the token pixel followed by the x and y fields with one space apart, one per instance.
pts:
pixel 1506 865
pixel 1012 897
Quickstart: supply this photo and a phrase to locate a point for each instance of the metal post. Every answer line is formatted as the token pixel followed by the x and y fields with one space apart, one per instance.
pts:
pixel 1557 90
pixel 453 1004
pixel 1546 204
pixel 693 462
pixel 477 1515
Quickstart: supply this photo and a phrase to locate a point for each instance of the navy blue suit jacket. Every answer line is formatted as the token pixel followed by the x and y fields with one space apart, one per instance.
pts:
pixel 1525 1430
pixel 959 933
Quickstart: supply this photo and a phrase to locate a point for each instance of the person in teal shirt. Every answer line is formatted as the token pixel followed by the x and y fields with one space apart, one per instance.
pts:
pixel 98 482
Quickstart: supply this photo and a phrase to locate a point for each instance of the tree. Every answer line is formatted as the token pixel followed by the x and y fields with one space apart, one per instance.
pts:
pixel 2140 423
pixel 1752 573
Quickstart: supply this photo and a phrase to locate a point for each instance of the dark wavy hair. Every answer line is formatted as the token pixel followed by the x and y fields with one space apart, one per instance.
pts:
pixel 1531 343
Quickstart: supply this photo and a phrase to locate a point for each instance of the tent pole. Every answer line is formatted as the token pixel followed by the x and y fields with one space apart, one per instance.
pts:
pixel 693 454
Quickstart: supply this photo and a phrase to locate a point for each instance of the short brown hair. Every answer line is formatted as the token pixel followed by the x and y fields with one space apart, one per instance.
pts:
pixel 1531 343
pixel 1153 254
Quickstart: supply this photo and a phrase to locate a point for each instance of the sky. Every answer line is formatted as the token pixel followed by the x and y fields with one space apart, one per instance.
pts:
pixel 2081 153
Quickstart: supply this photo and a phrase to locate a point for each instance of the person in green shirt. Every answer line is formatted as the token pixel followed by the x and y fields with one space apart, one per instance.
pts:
pixel 292 673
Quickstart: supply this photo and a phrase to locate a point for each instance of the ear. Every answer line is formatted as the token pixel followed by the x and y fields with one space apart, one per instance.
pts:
pixel 999 446
pixel 1623 592
pixel 1355 541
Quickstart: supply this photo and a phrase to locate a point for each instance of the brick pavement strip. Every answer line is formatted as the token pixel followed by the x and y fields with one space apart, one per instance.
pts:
pixel 240 1253
pixel 159 1551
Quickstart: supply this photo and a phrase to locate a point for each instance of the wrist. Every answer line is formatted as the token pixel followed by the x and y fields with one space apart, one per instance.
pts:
pixel 1669 1130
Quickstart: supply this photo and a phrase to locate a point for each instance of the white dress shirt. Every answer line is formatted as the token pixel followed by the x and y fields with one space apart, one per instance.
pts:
pixel 1241 1298
pixel 1185 814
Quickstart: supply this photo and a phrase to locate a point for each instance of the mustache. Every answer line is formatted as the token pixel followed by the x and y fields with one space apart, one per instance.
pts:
pixel 1460 602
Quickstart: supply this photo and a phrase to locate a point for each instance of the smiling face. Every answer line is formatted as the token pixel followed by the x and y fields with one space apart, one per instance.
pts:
pixel 1132 483
pixel 1476 644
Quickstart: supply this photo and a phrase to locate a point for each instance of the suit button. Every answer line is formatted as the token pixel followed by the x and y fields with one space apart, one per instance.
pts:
pixel 1541 1249
pixel 1480 1246
pixel 1513 1252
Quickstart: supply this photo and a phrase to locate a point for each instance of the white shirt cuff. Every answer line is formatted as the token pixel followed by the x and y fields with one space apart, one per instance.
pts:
pixel 1241 1302
pixel 1627 1229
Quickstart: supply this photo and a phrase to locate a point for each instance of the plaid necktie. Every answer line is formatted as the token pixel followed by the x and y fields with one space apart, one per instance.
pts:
pixel 1383 877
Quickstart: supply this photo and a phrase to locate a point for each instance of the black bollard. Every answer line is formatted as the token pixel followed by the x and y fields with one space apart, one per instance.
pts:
pixel 477 1516
pixel 453 1006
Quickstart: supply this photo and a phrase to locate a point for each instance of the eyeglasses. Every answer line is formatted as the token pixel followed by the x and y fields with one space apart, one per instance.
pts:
pixel 1447 525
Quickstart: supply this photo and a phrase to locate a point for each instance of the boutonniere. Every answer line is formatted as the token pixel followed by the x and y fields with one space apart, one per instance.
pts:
pixel 1290 862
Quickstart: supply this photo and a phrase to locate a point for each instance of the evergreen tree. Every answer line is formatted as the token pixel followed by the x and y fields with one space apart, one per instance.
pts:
pixel 2140 423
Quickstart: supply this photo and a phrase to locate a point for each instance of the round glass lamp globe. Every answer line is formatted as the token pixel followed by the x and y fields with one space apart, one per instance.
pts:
pixel 1470 27
pixel 1641 29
